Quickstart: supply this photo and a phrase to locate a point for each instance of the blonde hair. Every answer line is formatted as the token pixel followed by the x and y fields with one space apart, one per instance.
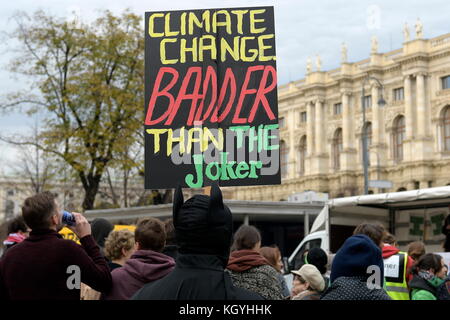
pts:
pixel 116 241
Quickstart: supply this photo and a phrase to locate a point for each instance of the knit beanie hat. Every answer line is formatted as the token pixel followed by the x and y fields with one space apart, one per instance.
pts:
pixel 317 257
pixel 355 256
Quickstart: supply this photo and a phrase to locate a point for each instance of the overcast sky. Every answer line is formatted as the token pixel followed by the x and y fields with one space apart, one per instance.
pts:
pixel 303 28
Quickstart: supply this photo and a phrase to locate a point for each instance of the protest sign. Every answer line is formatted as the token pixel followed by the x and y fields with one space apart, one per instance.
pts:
pixel 211 109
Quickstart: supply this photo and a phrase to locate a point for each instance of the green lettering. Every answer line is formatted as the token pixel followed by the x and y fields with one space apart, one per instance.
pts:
pixel 253 166
pixel 417 223
pixel 437 221
pixel 209 173
pixel 242 166
pixel 267 137
pixel 240 134
pixel 227 167
pixel 198 163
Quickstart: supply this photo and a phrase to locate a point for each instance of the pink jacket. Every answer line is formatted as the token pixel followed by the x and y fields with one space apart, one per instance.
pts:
pixel 143 267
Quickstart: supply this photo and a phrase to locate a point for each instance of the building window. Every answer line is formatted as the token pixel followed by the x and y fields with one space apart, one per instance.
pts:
pixel 337 110
pixel 284 159
pixel 10 192
pixel 367 102
pixel 447 129
pixel 367 130
pixel 9 209
pixel 337 149
pixel 281 122
pixel 399 94
pixel 445 82
pixel 399 136
pixel 302 155
pixel 303 116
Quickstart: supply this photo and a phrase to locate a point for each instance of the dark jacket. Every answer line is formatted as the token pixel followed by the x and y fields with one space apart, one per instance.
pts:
pixel 284 288
pixel 443 291
pixel 195 277
pixel 113 265
pixel 422 289
pixel 446 232
pixel 144 266
pixel 171 251
pixel 353 288
pixel 37 268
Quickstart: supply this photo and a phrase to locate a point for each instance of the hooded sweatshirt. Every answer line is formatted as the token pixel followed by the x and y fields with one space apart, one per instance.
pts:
pixel 143 267
pixel 389 251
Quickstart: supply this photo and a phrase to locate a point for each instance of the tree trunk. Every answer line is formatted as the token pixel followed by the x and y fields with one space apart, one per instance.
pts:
pixel 90 192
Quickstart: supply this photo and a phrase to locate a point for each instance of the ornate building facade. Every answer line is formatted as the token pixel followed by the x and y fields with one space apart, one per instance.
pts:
pixel 321 123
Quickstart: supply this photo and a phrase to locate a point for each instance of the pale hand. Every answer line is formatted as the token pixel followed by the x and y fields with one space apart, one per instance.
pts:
pixel 82 227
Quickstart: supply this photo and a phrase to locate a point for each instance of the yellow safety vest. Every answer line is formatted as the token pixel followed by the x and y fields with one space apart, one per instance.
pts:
pixel 395 276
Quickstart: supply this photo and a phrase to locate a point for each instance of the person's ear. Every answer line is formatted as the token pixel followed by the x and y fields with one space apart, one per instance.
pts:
pixel 55 219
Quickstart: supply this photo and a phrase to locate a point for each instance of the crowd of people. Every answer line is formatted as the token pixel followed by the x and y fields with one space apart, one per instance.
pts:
pixel 196 256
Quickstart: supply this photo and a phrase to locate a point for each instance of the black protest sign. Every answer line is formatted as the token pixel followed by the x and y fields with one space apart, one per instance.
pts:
pixel 211 110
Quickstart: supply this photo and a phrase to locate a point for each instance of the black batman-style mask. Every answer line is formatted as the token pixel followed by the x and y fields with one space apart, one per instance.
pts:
pixel 203 224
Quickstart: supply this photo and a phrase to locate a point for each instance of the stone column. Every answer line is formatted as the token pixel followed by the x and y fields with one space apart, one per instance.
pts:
pixel 291 159
pixel 421 107
pixel 309 129
pixel 409 114
pixel 423 146
pixel 348 155
pixel 319 127
pixel 346 122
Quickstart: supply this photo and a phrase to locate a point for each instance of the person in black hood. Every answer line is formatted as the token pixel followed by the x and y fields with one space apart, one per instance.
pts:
pixel 100 231
pixel 203 229
pixel 171 248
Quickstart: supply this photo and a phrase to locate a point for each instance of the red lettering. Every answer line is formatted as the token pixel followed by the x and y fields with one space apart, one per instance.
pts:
pixel 210 77
pixel 164 92
pixel 182 95
pixel 261 94
pixel 245 91
pixel 229 80
pixel 216 110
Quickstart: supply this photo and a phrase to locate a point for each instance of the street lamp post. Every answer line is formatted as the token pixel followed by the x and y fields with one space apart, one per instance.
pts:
pixel 381 102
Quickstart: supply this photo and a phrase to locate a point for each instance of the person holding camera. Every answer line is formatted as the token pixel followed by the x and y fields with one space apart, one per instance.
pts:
pixel 45 266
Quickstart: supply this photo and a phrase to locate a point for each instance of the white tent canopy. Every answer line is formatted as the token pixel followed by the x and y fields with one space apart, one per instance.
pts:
pixel 393 197
pixel 374 203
